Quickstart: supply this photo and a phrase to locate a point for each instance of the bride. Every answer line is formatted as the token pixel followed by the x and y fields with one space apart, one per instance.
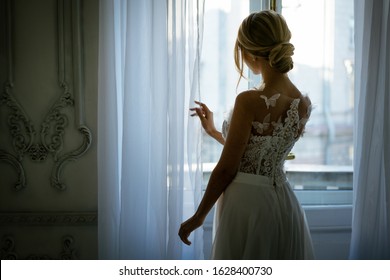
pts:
pixel 258 215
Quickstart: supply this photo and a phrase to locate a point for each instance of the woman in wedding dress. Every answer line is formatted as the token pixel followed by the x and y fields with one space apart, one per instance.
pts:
pixel 257 215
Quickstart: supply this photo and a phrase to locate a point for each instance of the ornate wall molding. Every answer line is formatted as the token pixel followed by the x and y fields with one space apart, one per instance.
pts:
pixel 51 133
pixel 8 250
pixel 48 219
pixel 12 160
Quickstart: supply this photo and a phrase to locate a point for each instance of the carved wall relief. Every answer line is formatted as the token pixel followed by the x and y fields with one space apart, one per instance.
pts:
pixel 47 235
pixel 18 219
pixel 46 140
pixel 9 247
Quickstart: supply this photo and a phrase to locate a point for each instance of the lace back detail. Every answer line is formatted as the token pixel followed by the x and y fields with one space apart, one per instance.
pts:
pixel 271 141
pixel 262 127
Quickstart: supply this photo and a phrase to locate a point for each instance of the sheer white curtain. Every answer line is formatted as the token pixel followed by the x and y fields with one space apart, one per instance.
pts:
pixel 148 147
pixel 371 214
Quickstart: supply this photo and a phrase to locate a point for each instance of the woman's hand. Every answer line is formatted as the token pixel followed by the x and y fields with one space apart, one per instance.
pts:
pixel 206 117
pixel 207 120
pixel 189 226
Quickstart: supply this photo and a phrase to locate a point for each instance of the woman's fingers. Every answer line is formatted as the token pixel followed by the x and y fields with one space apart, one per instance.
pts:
pixel 202 111
pixel 185 240
pixel 203 106
pixel 199 112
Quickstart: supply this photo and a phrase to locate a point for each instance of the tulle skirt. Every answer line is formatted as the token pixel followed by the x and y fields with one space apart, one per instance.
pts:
pixel 256 220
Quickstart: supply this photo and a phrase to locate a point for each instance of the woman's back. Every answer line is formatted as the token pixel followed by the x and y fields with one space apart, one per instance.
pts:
pixel 279 121
pixel 258 216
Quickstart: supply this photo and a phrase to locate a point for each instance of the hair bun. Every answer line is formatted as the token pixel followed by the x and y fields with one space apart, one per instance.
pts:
pixel 264 34
pixel 280 56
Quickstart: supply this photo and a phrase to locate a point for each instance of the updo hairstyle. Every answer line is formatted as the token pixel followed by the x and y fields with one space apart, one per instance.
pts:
pixel 265 34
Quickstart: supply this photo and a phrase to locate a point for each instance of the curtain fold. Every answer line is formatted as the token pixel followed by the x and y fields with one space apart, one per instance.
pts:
pixel 371 212
pixel 148 148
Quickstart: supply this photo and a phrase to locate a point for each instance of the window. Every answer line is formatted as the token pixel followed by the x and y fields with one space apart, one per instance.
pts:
pixel 218 75
pixel 323 62
pixel 322 32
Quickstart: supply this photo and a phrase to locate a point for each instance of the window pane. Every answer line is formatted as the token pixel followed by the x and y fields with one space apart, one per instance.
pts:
pixel 218 73
pixel 322 32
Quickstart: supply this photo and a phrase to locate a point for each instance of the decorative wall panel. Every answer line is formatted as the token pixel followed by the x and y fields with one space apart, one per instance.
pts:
pixel 48 174
pixel 38 142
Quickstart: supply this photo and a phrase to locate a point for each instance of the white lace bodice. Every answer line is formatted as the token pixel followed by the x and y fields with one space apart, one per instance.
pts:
pixel 271 141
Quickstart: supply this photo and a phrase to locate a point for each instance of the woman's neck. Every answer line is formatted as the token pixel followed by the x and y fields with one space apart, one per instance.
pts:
pixel 274 78
pixel 270 75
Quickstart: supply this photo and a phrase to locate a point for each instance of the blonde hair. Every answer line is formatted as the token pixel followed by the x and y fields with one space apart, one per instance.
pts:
pixel 265 34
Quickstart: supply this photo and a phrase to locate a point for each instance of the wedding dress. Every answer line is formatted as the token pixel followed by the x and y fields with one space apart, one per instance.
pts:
pixel 258 215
